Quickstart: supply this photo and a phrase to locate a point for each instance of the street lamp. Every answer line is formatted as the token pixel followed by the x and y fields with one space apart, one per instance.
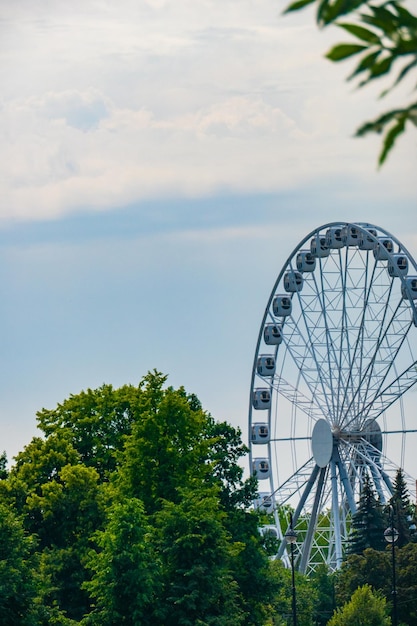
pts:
pixel 291 537
pixel 391 536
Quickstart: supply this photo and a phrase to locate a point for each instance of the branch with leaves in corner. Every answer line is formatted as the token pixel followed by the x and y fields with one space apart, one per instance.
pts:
pixel 386 35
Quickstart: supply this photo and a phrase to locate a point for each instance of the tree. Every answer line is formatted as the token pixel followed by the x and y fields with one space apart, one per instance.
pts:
pixel 385 34
pixel 365 608
pixel 140 512
pixel 69 512
pixel 402 510
pixel 17 580
pixel 375 569
pixel 368 523
pixel 125 572
pixel 372 567
pixel 407 584
pixel 3 466
pixel 323 583
pixel 197 552
pixel 95 422
pixel 281 605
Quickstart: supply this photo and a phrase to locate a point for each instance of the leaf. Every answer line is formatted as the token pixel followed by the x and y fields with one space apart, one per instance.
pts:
pixel 381 68
pixel 360 32
pixel 365 63
pixel 344 51
pixel 382 18
pixel 390 139
pixel 329 11
pixel 407 18
pixel 400 76
pixel 399 117
pixel 296 6
pixel 377 126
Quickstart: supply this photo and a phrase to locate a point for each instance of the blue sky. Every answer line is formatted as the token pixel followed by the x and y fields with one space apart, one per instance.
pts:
pixel 160 161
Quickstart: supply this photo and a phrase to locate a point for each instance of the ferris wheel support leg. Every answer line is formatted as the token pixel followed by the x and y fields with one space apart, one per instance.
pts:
pixel 336 517
pixel 387 481
pixel 299 508
pixel 376 477
pixel 306 549
pixel 345 481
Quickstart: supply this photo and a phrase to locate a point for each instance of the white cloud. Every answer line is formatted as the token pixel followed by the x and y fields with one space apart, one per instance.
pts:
pixel 106 105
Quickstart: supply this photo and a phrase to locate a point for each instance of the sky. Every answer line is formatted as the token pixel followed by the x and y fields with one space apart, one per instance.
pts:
pixel 161 159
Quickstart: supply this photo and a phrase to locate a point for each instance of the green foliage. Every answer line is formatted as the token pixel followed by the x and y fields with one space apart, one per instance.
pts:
pixel 95 422
pixel 251 568
pixel 281 605
pixel 406 565
pixel 3 466
pixel 368 523
pixel 125 572
pixel 138 513
pixel 403 512
pixel 167 448
pixel 323 582
pixel 17 580
pixel 387 33
pixel 198 585
pixel 372 567
pixel 365 608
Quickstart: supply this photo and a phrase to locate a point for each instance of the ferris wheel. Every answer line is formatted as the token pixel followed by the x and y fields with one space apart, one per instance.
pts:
pixel 336 352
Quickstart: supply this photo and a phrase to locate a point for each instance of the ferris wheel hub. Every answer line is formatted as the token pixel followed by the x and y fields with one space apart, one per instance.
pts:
pixel 322 442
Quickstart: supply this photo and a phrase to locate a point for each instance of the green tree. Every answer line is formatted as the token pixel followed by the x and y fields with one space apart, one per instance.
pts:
pixel 251 567
pixel 125 572
pixel 17 580
pixel 365 608
pixel 95 422
pixel 225 451
pixel 407 584
pixel 368 523
pixel 69 511
pixel 3 466
pixel 167 447
pixel 385 35
pixel 281 605
pixel 372 567
pixel 136 499
pixel 401 509
pixel 323 583
pixel 196 553
pixel 57 498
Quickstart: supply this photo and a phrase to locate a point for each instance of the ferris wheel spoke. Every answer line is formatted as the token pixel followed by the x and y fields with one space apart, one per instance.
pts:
pixel 356 359
pixel 379 317
pixel 385 397
pixel 330 352
pixel 380 366
pixel 297 398
pixel 300 345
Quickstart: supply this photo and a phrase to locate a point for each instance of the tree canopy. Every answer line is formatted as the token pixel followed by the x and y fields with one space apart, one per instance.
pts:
pixel 132 509
pixel 368 523
pixel 365 608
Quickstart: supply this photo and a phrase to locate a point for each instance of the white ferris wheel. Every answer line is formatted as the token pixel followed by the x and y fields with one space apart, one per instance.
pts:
pixel 336 352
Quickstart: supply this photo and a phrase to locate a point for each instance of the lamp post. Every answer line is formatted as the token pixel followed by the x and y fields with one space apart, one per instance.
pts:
pixel 391 536
pixel 291 537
